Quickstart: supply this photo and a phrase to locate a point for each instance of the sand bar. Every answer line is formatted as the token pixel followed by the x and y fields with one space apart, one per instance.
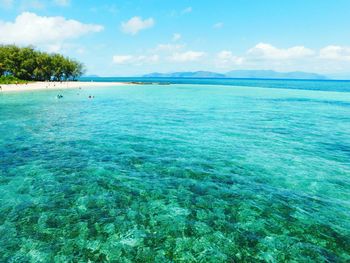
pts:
pixel 32 86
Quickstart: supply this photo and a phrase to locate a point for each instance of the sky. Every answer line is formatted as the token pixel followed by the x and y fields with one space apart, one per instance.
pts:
pixel 135 37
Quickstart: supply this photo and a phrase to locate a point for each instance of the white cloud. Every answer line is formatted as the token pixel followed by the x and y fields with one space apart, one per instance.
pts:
pixel 267 51
pixel 168 47
pixel 331 58
pixel 135 60
pixel 161 53
pixel 176 37
pixel 122 59
pixel 151 56
pixel 187 10
pixel 6 4
pixel 31 29
pixel 187 56
pixel 173 56
pixel 136 24
pixel 226 59
pixel 64 48
pixel 177 13
pixel 62 2
pixel 54 48
pixel 218 25
pixel 335 53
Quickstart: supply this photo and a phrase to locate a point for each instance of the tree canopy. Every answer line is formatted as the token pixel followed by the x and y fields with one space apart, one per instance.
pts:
pixel 27 63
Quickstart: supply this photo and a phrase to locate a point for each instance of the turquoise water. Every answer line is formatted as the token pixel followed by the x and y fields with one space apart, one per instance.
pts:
pixel 325 85
pixel 178 173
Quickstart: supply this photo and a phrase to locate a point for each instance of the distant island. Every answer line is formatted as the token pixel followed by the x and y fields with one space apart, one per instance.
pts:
pixel 252 74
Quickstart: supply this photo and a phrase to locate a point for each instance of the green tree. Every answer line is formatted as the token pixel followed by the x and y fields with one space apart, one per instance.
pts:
pixel 26 63
pixel 44 68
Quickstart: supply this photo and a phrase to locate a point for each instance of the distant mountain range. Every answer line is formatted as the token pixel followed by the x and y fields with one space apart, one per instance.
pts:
pixel 254 74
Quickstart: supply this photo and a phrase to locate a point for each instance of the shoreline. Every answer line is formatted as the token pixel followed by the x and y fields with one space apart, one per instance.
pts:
pixel 36 86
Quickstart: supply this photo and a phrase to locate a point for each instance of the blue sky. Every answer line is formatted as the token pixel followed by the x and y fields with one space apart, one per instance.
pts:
pixel 124 38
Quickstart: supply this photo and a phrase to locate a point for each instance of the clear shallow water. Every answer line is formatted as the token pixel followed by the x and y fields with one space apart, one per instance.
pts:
pixel 179 173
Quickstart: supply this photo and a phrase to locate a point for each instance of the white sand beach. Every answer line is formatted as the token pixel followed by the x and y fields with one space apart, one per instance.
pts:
pixel 32 86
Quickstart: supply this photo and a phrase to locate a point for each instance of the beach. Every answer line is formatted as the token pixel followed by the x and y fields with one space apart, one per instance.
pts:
pixel 56 85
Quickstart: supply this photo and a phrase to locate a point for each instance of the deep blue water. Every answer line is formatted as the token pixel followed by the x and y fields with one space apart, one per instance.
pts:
pixel 177 173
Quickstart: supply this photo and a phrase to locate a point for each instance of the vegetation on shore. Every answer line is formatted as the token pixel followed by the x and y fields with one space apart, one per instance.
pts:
pixel 19 64
pixel 11 80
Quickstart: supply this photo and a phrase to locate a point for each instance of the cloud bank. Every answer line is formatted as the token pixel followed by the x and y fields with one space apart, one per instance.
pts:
pixel 267 51
pixel 260 56
pixel 31 29
pixel 186 56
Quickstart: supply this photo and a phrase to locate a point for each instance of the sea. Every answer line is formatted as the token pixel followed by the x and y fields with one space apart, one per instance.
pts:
pixel 177 170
